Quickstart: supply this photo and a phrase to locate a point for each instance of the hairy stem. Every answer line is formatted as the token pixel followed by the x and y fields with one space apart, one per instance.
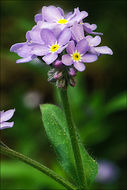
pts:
pixel 74 140
pixel 11 153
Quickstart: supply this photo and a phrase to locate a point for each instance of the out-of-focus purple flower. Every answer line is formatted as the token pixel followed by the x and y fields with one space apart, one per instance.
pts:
pixel 32 99
pixel 53 45
pixel 94 42
pixel 77 55
pixel 4 117
pixel 90 27
pixel 54 17
pixel 107 172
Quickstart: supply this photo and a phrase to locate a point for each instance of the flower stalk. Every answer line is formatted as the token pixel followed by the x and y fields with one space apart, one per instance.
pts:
pixel 11 153
pixel 74 140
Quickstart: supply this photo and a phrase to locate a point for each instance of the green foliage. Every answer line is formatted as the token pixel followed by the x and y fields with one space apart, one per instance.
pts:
pixel 117 103
pixel 93 119
pixel 57 131
pixel 25 177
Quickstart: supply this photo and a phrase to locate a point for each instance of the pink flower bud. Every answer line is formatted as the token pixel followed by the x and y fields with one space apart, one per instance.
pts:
pixel 57 75
pixel 72 82
pixel 58 63
pixel 72 72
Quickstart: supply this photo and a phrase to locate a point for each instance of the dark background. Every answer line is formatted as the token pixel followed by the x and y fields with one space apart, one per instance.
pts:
pixel 98 101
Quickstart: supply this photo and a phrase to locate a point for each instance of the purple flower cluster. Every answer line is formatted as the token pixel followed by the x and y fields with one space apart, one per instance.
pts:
pixel 57 37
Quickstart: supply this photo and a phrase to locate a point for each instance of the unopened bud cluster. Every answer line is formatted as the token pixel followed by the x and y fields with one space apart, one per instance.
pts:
pixel 62 76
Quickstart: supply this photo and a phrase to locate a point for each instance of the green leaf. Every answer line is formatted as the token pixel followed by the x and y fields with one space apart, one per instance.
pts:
pixel 57 132
pixel 55 126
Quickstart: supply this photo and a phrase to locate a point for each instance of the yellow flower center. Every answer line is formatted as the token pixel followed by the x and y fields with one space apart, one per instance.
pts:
pixel 76 56
pixel 30 42
pixel 62 21
pixel 54 48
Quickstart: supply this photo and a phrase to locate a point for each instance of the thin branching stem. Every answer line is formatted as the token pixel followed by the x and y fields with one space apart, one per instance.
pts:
pixel 11 153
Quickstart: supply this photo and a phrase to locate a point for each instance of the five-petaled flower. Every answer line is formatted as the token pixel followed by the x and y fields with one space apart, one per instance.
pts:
pixel 54 17
pixel 77 55
pixel 52 45
pixel 4 117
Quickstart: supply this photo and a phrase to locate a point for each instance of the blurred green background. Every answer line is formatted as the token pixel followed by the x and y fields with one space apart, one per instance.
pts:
pixel 98 101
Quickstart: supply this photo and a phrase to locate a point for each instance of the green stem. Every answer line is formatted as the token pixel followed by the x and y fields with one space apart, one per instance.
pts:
pixel 37 165
pixel 74 140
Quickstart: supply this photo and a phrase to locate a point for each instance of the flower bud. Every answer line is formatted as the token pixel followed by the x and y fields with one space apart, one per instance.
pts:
pixel 57 75
pixel 72 72
pixel 58 64
pixel 72 81
pixel 61 83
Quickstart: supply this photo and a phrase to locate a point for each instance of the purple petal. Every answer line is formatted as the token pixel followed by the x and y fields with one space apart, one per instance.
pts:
pixel 56 31
pixel 95 41
pixel 77 31
pixel 51 14
pixel 61 49
pixel 64 37
pixel 97 33
pixel 15 47
pixel 93 26
pixel 46 25
pixel 28 36
pixel 71 47
pixel 89 38
pixel 82 46
pixel 48 37
pixel 88 58
pixel 40 50
pixel 67 60
pixel 38 17
pixel 88 30
pixel 69 15
pixel 79 66
pixel 24 51
pixel 35 35
pixel 79 16
pixel 92 51
pixel 61 11
pixel 90 26
pixel 5 125
pixel 103 50
pixel 50 58
pixel 7 115
pixel 26 59
pixel 62 26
